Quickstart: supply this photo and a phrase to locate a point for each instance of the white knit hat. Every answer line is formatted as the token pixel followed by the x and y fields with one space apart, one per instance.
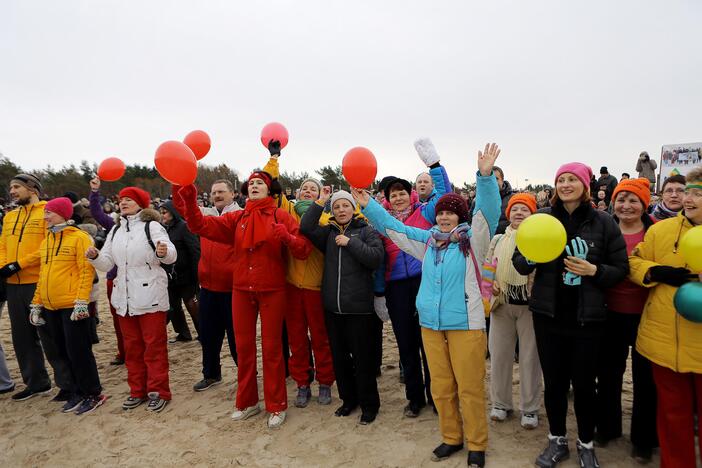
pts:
pixel 343 195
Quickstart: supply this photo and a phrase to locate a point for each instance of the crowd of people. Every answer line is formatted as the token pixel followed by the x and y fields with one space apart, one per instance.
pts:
pixel 324 270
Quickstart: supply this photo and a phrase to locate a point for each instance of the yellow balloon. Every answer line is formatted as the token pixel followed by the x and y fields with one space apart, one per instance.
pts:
pixel 691 248
pixel 541 238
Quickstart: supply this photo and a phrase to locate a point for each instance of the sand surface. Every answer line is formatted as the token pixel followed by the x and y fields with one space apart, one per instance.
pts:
pixel 196 429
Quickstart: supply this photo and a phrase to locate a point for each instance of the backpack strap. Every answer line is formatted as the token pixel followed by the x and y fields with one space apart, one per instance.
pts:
pixel 147 231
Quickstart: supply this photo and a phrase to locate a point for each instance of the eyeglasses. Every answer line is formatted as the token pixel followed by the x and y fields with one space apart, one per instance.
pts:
pixel 671 191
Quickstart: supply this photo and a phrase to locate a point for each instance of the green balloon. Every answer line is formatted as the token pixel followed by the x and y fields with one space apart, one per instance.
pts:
pixel 688 301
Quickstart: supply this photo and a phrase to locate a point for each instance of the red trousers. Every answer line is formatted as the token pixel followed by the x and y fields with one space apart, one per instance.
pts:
pixel 146 355
pixel 245 309
pixel 305 312
pixel 115 321
pixel 678 396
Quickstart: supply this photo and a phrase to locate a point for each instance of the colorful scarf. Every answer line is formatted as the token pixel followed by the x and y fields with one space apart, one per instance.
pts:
pixel 458 234
pixel 256 221
pixel 661 212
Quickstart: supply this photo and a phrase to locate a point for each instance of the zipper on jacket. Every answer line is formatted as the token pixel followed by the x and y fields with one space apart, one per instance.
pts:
pixel 338 282
pixel 677 342
pixel 48 272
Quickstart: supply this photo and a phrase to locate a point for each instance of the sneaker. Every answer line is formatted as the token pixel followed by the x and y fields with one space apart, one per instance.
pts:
pixel 62 395
pixel 412 410
pixel 443 451
pixel 367 417
pixel 156 403
pixel 530 420
pixel 642 455
pixel 131 403
pixel 498 414
pixel 586 455
pixel 8 389
pixel 26 394
pixel 246 413
pixel 555 452
pixel 476 459
pixel 204 384
pixel 275 420
pixel 72 404
pixel 303 397
pixel 90 404
pixel 325 396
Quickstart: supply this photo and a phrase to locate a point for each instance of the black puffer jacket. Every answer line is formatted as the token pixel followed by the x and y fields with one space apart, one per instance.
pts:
pixel 187 245
pixel 347 282
pixel 607 250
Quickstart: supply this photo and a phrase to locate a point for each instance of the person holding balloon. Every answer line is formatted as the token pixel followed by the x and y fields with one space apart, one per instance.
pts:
pixel 260 235
pixel 669 263
pixel 449 302
pixel 625 303
pixel 568 303
pixel 403 276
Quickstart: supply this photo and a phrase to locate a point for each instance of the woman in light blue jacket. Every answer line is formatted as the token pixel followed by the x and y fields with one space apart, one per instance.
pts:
pixel 450 306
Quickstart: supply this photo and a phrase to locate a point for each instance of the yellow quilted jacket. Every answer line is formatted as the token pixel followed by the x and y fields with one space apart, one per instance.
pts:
pixel 65 274
pixel 665 337
pixel 23 230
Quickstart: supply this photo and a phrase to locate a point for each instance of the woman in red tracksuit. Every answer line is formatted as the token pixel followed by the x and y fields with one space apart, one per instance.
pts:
pixel 258 234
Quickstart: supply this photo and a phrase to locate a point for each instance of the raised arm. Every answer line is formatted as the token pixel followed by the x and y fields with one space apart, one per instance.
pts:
pixel 215 228
pixel 96 210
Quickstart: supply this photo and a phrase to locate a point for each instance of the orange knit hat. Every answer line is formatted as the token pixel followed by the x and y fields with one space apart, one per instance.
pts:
pixel 524 198
pixel 640 187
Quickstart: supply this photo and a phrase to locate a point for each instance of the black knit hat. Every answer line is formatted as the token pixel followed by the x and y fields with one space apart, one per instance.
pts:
pixel 454 203
pixel 390 181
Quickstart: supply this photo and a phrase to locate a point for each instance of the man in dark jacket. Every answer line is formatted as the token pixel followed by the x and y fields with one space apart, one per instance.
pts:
pixel 182 282
pixel 606 182
pixel 352 250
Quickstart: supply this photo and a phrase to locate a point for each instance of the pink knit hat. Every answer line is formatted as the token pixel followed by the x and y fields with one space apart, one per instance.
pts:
pixel 62 206
pixel 582 171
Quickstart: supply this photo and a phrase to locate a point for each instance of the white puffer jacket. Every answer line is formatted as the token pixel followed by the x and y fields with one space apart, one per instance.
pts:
pixel 141 285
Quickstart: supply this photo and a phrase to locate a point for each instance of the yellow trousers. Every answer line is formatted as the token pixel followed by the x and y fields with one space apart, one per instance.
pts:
pixel 456 361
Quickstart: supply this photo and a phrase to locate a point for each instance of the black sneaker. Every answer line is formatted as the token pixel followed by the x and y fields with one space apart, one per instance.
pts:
pixel 26 394
pixel 586 456
pixel 443 451
pixel 367 417
pixel 131 403
pixel 90 404
pixel 8 389
pixel 555 452
pixel 642 455
pixel 204 384
pixel 72 404
pixel 476 459
pixel 62 395
pixel 156 403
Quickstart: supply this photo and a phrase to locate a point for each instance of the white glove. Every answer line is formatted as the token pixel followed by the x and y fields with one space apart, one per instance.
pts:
pixel 427 152
pixel 80 311
pixel 381 309
pixel 35 315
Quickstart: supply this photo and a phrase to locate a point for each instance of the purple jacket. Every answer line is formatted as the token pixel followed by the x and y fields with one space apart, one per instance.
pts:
pixel 105 221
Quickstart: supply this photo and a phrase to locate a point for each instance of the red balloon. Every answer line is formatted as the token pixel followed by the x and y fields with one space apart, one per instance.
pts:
pixel 359 167
pixel 111 169
pixel 199 142
pixel 274 131
pixel 176 163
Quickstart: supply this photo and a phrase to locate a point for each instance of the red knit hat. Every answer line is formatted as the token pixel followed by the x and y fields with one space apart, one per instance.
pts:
pixel 525 199
pixel 640 187
pixel 141 197
pixel 62 206
pixel 454 203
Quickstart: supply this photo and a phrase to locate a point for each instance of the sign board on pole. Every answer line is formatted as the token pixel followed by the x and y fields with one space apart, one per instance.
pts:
pixel 679 159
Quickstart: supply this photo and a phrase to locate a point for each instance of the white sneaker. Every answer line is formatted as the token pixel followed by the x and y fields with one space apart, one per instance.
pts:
pixel 530 420
pixel 275 420
pixel 498 414
pixel 246 413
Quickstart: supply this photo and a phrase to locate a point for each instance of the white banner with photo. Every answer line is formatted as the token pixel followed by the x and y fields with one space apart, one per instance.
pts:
pixel 679 159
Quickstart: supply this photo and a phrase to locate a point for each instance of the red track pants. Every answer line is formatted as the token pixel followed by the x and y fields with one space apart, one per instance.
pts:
pixel 146 354
pixel 678 395
pixel 305 312
pixel 245 309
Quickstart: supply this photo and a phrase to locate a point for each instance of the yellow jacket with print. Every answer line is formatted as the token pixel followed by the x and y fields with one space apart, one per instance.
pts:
pixel 303 274
pixel 665 337
pixel 65 274
pixel 23 230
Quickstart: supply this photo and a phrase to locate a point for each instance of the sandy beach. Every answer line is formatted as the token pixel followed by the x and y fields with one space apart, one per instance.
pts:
pixel 196 429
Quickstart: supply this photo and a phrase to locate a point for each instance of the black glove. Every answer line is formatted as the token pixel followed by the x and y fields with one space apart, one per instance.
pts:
pixel 9 270
pixel 673 276
pixel 274 147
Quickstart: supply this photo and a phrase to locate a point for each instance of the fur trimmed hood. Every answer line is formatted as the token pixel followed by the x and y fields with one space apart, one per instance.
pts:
pixel 145 215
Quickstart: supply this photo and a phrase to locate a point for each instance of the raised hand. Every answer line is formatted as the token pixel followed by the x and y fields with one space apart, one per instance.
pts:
pixel 95 184
pixel 426 151
pixel 325 195
pixel 361 196
pixel 487 157
pixel 188 193
pixel 274 147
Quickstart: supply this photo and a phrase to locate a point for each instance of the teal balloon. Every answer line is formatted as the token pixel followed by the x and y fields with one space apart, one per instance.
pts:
pixel 688 301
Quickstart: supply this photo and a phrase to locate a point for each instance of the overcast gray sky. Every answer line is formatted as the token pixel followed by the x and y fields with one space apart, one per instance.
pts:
pixel 550 81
